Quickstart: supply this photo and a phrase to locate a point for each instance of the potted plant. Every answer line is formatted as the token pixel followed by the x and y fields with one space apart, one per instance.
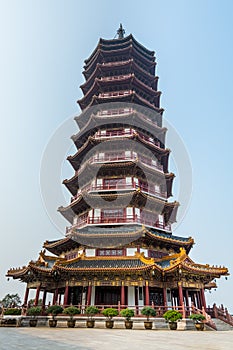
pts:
pixel 198 320
pixel 54 310
pixel 127 314
pixel 90 312
pixel 172 316
pixel 12 311
pixel 148 311
pixel 11 321
pixel 109 313
pixel 34 311
pixel 71 311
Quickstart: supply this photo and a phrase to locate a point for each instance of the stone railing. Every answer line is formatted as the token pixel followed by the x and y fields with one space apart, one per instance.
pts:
pixel 221 313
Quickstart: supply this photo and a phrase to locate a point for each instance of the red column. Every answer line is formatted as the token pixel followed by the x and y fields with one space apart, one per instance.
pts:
pixel 37 295
pixel 44 299
pixel 187 297
pixel 181 297
pixel 203 298
pixel 55 295
pixel 26 296
pixel 199 303
pixel 187 301
pixel 89 295
pixel 122 294
pixel 66 295
pixel 136 299
pixel 147 295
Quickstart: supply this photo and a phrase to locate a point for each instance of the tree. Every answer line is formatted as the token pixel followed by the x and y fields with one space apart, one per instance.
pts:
pixel 11 300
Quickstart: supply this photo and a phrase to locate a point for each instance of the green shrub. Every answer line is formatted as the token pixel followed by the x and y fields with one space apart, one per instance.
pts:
pixel 148 311
pixel 71 310
pixel 127 314
pixel 197 317
pixel 54 310
pixel 110 313
pixel 12 311
pixel 34 311
pixel 91 311
pixel 172 316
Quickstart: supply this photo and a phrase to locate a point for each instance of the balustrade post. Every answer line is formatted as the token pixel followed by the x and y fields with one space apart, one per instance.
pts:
pixel 119 307
pixel 192 307
pixel 203 311
pixel 215 311
pixel 227 315
pixel 183 311
pixel 203 298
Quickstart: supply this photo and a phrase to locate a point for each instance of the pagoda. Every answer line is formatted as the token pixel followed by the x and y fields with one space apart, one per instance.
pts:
pixel 119 248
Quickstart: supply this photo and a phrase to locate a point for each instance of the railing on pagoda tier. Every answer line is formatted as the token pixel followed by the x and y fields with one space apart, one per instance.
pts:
pixel 120 187
pixel 122 158
pixel 116 77
pixel 115 93
pixel 125 132
pixel 121 93
pixel 118 220
pixel 113 64
pixel 124 76
pixel 124 111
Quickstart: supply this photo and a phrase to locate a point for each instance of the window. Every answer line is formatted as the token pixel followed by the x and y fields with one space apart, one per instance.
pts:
pixel 156 254
pixel 110 252
pixel 70 256
pixel 114 183
pixel 112 213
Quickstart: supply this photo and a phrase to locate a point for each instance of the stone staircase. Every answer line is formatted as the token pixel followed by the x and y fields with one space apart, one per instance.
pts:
pixel 221 325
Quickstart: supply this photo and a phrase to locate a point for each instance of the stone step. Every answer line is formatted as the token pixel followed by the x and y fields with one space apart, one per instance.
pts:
pixel 221 325
pixel 138 323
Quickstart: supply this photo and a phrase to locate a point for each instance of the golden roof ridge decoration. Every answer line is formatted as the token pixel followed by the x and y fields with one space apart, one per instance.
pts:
pixel 170 238
pixel 59 241
pixel 145 260
pixel 15 270
pixel 118 234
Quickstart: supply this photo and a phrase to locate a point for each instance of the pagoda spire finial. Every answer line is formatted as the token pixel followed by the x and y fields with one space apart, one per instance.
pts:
pixel 121 32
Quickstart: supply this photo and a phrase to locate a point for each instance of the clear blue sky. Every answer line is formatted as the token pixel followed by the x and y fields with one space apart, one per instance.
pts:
pixel 43 46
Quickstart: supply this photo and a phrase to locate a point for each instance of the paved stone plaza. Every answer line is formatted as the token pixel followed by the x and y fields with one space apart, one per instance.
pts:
pixel 43 338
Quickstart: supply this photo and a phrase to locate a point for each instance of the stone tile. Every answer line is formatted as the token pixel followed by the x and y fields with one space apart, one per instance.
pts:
pixel 43 338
